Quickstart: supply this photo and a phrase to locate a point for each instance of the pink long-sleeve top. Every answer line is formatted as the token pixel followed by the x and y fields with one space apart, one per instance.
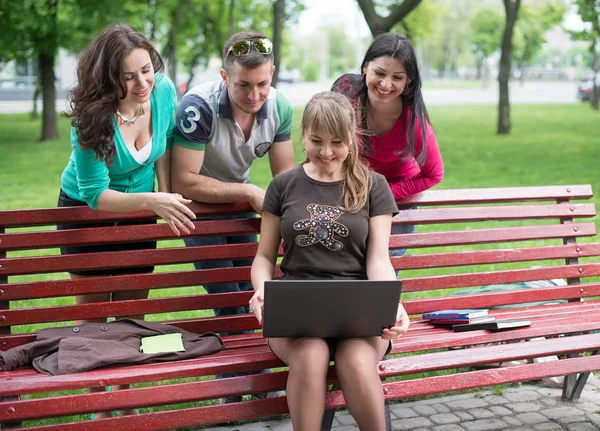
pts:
pixel 406 178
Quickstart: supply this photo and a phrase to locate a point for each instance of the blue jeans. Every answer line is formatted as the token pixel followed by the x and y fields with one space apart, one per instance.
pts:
pixel 401 228
pixel 226 287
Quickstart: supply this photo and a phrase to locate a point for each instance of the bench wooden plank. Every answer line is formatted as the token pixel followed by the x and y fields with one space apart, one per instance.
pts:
pixel 249 384
pixel 120 234
pixel 478 214
pixel 85 215
pixel 499 195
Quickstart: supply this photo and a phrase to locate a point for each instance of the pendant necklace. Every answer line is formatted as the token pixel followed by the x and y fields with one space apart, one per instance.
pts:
pixel 134 119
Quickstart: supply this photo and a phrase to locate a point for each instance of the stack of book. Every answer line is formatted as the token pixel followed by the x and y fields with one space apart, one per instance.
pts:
pixel 472 320
pixel 454 317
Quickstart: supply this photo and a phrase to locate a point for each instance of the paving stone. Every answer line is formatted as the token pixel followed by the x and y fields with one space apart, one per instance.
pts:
pixel 452 427
pixel 592 396
pixel 522 396
pixel 512 421
pixel 410 423
pixel 531 418
pixel 286 425
pixel 524 407
pixel 587 407
pixel 550 392
pixel 345 419
pixel 550 401
pixel 467 404
pixel 548 426
pixel 444 418
pixel 582 427
pixel 485 425
pixel 425 410
pixel 464 415
pixel 481 413
pixel 495 399
pixel 522 429
pixel 421 429
pixel 403 412
pixel 347 428
pixel 561 412
pixel 571 420
pixel 594 418
pixel 440 408
pixel 500 410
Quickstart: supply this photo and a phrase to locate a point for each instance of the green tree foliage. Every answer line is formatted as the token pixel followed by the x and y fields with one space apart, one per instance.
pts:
pixel 534 21
pixel 589 11
pixel 486 28
pixel 38 28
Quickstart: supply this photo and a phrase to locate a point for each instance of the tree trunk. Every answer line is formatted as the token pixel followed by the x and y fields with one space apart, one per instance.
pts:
pixel 512 9
pixel 232 17
pixel 278 11
pixel 172 53
pixel 378 24
pixel 49 120
pixel 479 68
pixel 594 95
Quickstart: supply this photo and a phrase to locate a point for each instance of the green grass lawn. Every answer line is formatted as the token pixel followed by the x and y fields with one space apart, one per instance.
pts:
pixel 549 145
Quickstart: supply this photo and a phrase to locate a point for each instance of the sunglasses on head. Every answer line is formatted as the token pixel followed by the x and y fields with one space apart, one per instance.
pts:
pixel 243 47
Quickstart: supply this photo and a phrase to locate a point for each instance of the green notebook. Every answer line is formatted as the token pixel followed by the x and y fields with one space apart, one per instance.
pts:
pixel 162 344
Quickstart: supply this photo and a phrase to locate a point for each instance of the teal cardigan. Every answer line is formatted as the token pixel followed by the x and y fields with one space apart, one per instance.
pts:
pixel 85 178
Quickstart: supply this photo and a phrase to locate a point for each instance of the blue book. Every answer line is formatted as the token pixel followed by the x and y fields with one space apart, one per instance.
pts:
pixel 466 314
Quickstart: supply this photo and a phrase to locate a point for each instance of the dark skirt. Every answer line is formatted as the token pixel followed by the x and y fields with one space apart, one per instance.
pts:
pixel 66 201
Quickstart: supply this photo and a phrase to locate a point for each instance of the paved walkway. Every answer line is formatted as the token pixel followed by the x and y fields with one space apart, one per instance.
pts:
pixel 529 407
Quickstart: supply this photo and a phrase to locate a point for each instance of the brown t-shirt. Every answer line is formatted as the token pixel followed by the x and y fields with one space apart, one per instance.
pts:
pixel 320 240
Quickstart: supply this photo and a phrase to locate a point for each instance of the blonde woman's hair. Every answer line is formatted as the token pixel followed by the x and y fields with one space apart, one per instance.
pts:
pixel 332 112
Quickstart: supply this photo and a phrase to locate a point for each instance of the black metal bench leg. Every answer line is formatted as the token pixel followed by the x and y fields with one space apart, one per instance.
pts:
pixel 573 384
pixel 10 425
pixel 327 421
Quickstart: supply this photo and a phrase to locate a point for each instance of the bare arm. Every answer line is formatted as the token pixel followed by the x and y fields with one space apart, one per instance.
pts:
pixel 163 172
pixel 186 164
pixel 263 266
pixel 169 206
pixel 379 267
pixel 281 157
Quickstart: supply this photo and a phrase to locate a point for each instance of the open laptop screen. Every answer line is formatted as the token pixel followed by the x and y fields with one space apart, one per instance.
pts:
pixel 329 308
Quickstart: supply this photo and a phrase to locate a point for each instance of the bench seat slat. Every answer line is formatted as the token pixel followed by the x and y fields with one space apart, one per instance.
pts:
pixel 476 214
pixel 389 367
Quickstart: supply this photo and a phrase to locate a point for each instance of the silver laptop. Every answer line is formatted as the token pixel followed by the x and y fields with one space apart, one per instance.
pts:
pixel 330 308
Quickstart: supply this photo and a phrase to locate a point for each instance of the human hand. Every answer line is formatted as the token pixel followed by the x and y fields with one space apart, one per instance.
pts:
pixel 400 327
pixel 256 304
pixel 256 196
pixel 171 207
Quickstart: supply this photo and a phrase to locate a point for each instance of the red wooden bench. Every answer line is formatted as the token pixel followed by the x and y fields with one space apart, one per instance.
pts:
pixel 466 238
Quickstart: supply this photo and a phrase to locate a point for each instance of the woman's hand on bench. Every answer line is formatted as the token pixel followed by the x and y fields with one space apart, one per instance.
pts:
pixel 256 304
pixel 171 207
pixel 401 326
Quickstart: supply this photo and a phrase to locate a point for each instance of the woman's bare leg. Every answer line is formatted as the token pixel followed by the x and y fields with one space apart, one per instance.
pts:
pixel 308 359
pixel 356 362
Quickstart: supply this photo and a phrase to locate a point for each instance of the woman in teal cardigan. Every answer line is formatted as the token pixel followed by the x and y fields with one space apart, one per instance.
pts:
pixel 122 118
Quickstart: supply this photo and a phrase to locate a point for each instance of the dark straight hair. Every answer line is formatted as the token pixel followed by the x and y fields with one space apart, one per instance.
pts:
pixel 101 84
pixel 398 47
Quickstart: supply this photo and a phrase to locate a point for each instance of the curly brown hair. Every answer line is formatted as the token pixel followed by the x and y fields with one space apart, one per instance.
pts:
pixel 100 86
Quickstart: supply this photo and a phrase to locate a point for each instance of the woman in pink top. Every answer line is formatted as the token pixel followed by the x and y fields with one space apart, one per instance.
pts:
pixel 397 139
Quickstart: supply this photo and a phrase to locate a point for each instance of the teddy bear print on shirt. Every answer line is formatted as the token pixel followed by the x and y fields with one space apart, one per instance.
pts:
pixel 322 226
